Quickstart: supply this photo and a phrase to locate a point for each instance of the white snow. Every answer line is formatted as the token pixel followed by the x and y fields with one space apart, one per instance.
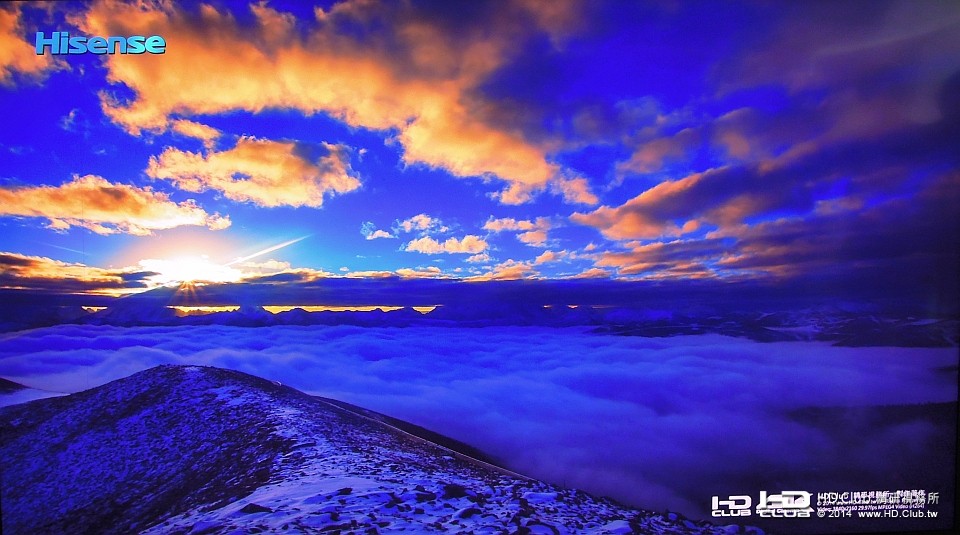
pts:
pixel 108 460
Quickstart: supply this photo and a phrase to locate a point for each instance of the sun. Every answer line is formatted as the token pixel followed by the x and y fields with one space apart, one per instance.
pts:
pixel 189 269
pixel 196 269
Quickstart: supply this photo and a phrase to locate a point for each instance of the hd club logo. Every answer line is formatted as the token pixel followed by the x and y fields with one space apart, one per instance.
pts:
pixel 787 504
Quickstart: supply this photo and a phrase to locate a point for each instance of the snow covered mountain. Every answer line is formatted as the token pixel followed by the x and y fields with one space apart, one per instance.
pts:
pixel 185 449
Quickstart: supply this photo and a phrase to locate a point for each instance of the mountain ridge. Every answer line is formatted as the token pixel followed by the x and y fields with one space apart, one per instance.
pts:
pixel 838 326
pixel 189 449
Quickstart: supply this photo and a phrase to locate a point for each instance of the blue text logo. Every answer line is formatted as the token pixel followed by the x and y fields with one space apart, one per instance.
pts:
pixel 61 43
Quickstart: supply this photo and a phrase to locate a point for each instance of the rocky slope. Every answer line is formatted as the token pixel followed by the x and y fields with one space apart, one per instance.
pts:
pixel 180 449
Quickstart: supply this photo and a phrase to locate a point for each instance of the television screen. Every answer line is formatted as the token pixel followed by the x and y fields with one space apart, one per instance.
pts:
pixel 514 266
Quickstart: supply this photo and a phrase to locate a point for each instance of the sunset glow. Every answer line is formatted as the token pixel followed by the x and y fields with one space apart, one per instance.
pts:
pixel 680 254
pixel 190 269
pixel 638 156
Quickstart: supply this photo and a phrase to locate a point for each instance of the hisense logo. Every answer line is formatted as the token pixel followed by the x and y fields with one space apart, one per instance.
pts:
pixel 60 43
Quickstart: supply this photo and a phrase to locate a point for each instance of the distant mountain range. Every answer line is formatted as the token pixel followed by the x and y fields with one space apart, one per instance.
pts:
pixel 845 324
pixel 185 449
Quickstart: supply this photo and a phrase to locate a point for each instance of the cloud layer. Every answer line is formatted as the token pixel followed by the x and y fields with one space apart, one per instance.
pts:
pixel 659 422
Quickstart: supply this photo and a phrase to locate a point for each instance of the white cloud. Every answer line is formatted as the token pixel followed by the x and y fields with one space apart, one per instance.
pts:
pixel 659 422
pixel 379 234
pixel 429 272
pixel 479 258
pixel 532 233
pixel 469 244
pixel 421 223
pixel 371 232
pixel 260 171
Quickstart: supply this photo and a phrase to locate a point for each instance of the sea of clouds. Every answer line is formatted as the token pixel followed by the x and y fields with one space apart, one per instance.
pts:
pixel 663 423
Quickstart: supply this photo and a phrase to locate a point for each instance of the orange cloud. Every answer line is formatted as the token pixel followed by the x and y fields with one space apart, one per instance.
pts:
pixel 281 276
pixel 105 208
pixel 17 54
pixel 551 256
pixel 419 82
pixel 431 272
pixel 423 90
pixel 379 234
pixel 650 156
pixel 592 273
pixel 575 190
pixel 370 274
pixel 642 217
pixel 469 244
pixel 185 127
pixel 557 17
pixel 532 232
pixel 509 270
pixel 545 257
pixel 263 172
pixel 21 272
pixel 668 260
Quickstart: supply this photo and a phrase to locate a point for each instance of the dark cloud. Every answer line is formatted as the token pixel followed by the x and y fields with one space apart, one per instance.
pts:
pixel 842 44
pixel 40 274
pixel 828 127
pixel 734 193
pixel 865 243
pixel 11 261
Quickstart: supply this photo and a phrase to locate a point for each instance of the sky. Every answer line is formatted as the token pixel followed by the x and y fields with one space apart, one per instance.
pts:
pixel 654 142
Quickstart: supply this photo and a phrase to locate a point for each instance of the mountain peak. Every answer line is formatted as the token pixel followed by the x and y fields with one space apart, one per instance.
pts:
pixel 178 449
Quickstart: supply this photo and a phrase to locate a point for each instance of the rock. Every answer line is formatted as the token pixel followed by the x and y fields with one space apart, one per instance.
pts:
pixel 468 512
pixel 252 508
pixel 452 490
pixel 617 527
pixel 425 497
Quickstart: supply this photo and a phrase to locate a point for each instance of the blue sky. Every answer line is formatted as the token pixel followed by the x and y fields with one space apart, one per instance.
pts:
pixel 648 141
